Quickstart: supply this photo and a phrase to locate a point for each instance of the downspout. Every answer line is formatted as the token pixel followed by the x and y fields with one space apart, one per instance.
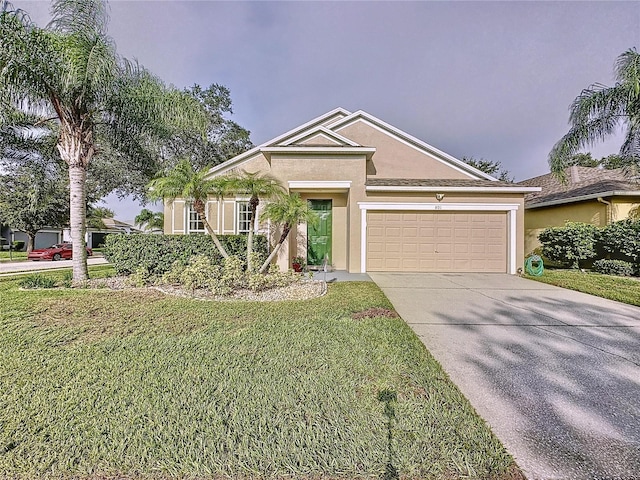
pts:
pixel 608 214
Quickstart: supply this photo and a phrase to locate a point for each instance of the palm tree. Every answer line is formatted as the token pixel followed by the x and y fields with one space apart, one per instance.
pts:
pixel 256 186
pixel 149 220
pixel 70 80
pixel 96 216
pixel 287 211
pixel 195 188
pixel 598 111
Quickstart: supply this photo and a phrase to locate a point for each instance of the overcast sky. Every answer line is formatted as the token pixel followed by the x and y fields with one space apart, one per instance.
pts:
pixel 490 80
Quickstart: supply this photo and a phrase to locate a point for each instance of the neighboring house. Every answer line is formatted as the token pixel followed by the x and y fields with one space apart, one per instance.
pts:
pixel 590 195
pixel 94 236
pixel 386 201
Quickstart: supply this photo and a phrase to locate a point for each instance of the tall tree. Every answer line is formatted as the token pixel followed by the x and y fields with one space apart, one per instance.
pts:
pixel 149 220
pixel 225 138
pixel 493 168
pixel 70 79
pixel 598 112
pixel 286 212
pixel 32 198
pixel 256 186
pixel 194 186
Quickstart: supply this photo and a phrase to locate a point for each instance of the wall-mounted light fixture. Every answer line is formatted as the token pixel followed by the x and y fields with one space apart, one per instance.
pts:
pixel 439 196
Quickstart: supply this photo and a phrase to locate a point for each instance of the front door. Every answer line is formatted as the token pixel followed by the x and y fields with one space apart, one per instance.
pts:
pixel 319 235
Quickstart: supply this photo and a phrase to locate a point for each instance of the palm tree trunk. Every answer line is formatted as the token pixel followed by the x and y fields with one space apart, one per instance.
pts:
pixel 199 207
pixel 285 233
pixel 78 213
pixel 253 208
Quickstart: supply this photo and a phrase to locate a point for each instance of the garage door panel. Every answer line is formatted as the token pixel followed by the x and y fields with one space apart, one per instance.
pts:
pixel 437 242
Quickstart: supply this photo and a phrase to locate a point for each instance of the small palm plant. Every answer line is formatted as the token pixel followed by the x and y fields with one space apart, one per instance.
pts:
pixel 256 186
pixel 195 188
pixel 286 212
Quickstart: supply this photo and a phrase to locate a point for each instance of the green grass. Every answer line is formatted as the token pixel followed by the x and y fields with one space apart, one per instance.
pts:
pixel 6 256
pixel 621 289
pixel 98 383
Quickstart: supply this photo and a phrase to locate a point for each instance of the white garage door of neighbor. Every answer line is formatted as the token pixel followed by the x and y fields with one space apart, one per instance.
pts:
pixel 406 241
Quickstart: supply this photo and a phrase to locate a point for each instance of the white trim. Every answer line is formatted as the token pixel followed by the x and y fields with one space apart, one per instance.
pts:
pixel 593 196
pixel 326 133
pixel 475 207
pixel 513 235
pixel 424 188
pixel 320 184
pixel 410 141
pixel 250 154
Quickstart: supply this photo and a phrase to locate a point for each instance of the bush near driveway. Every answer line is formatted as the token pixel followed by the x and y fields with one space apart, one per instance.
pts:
pixel 157 253
pixel 136 384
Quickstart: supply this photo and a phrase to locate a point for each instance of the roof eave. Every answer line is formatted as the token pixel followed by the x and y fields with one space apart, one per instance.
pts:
pixel 592 196
pixel 425 188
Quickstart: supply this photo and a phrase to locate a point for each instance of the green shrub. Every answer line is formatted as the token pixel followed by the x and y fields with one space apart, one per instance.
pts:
pixel 18 245
pixel 621 240
pixel 37 280
pixel 157 253
pixel 200 273
pixel 571 244
pixel 613 267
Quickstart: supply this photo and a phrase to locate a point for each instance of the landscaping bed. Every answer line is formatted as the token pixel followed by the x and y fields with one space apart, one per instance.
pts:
pixel 139 384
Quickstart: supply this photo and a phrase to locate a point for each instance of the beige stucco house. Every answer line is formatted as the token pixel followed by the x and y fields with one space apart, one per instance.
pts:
pixel 386 201
pixel 590 195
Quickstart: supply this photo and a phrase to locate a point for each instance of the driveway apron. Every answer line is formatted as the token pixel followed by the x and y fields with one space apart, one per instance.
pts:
pixel 555 373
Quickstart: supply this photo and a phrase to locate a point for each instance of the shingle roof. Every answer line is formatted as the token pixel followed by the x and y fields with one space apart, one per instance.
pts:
pixel 581 182
pixel 434 182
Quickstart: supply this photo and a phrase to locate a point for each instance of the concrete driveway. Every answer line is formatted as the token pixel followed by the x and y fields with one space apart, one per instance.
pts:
pixel 555 373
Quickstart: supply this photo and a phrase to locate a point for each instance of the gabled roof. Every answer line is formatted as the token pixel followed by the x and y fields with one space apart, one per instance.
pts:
pixel 329 125
pixel 583 183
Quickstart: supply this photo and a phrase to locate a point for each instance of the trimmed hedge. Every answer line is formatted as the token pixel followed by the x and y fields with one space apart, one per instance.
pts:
pixel 621 240
pixel 157 253
pixel 613 267
pixel 571 244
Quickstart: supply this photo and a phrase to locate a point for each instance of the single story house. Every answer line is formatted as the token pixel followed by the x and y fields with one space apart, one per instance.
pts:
pixel 386 201
pixel 49 236
pixel 590 195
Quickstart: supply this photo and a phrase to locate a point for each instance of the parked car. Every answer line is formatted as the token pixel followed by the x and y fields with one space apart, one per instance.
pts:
pixel 59 251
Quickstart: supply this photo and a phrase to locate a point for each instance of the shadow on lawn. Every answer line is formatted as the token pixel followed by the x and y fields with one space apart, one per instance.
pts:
pixel 572 386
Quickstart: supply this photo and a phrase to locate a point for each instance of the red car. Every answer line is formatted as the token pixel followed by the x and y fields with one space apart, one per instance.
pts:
pixel 59 251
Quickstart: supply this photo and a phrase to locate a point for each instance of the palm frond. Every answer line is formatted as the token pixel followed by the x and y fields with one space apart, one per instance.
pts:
pixel 79 16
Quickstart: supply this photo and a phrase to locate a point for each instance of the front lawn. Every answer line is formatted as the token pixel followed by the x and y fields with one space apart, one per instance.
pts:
pixel 6 256
pixel 137 384
pixel 621 289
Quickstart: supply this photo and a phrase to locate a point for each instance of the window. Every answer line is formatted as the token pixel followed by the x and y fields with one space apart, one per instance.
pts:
pixel 195 222
pixel 244 217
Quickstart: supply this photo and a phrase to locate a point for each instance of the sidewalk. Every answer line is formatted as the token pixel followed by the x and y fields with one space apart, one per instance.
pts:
pixel 7 268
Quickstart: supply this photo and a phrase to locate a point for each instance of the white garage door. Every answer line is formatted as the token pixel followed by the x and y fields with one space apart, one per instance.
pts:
pixel 407 241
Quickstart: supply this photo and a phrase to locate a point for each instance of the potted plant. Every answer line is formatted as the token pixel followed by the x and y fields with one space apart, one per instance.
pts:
pixel 298 263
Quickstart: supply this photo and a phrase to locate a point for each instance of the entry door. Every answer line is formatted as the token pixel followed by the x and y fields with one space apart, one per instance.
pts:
pixel 319 235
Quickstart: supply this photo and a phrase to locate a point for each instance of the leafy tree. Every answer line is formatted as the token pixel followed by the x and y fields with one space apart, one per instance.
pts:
pixel 184 182
pixel 32 198
pixel 286 212
pixel 150 220
pixel 225 139
pixel 583 160
pixel 492 168
pixel 614 161
pixel 256 186
pixel 598 111
pixel 68 78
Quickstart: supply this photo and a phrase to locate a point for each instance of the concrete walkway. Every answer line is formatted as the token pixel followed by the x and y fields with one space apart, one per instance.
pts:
pixel 555 373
